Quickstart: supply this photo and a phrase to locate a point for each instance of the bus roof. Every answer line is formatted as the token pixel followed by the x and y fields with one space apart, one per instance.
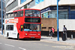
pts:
pixel 9 12
pixel 26 9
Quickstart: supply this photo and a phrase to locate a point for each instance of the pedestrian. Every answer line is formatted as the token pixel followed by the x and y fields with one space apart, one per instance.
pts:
pixel 64 33
pixel 51 32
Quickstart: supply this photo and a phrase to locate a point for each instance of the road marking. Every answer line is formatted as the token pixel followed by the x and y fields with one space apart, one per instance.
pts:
pixel 22 48
pixel 64 47
pixel 9 45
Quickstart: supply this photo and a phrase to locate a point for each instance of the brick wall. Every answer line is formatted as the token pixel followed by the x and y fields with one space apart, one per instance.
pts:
pixel 46 23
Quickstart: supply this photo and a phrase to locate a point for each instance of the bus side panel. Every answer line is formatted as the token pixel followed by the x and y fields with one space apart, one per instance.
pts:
pixel 21 33
pixel 15 32
pixel 20 22
pixel 12 33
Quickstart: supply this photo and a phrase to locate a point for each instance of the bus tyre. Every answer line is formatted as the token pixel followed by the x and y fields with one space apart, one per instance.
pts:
pixel 18 37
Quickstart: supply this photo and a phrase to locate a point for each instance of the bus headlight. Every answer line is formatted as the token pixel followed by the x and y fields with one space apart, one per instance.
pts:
pixel 26 33
pixel 38 34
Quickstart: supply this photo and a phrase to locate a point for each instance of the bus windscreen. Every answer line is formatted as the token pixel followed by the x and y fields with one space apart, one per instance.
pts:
pixel 32 27
pixel 37 20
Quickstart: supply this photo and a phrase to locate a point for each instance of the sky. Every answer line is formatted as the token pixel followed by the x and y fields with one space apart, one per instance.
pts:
pixel 22 1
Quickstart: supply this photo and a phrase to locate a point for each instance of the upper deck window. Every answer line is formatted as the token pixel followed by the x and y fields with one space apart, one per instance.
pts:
pixel 32 13
pixel 9 15
pixel 18 14
pixel 12 15
pixel 21 13
pixel 15 14
pixel 6 16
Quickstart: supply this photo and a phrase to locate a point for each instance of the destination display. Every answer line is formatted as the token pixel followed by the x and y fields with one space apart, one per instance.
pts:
pixel 37 20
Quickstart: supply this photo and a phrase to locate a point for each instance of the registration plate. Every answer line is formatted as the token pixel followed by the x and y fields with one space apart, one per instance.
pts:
pixel 32 37
pixel 32 34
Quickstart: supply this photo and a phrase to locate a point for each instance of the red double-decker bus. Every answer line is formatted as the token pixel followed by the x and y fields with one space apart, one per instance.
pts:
pixel 25 23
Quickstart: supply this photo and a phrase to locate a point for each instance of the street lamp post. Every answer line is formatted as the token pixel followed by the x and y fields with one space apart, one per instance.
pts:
pixel 57 21
pixel 2 16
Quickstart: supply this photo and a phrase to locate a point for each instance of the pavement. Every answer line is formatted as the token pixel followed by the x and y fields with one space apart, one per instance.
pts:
pixel 54 40
pixel 69 41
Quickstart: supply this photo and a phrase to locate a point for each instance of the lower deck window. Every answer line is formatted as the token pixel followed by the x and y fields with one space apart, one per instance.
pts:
pixel 9 27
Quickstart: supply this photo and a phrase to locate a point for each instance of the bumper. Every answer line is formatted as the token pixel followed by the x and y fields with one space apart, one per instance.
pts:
pixel 33 37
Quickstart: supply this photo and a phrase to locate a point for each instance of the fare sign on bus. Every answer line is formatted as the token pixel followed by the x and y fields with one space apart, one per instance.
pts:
pixel 11 20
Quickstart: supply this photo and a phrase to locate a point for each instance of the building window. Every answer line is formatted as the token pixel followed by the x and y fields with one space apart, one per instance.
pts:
pixel 45 15
pixel 25 6
pixel 63 14
pixel 53 14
